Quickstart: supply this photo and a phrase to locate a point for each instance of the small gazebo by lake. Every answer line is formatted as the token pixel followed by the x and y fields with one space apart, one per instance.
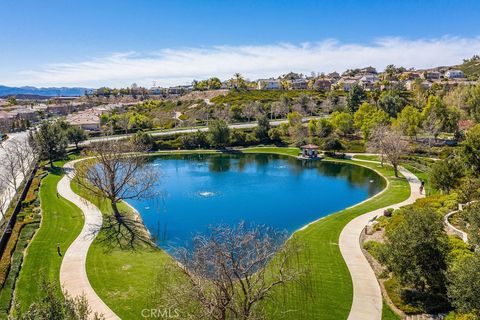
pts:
pixel 309 151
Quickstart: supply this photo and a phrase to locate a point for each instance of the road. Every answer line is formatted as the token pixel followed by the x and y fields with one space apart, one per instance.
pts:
pixel 250 125
pixel 9 191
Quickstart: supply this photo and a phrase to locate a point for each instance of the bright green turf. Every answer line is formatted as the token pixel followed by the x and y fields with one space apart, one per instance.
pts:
pixel 123 278
pixel 367 157
pixel 388 314
pixel 61 223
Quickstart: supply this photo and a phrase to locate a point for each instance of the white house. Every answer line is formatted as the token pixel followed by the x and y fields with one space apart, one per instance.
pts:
pixel 454 74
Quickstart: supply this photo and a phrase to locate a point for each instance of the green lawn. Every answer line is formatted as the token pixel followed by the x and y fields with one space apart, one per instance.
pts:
pixel 326 292
pixel 61 223
pixel 367 157
pixel 388 314
pixel 123 278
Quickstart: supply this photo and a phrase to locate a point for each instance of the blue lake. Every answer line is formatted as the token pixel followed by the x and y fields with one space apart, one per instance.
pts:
pixel 195 191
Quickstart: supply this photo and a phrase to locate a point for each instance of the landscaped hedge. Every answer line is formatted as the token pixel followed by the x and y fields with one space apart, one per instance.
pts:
pixel 24 235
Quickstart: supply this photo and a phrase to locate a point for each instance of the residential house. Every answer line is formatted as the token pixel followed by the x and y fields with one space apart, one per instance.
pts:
pixel 454 74
pixel 368 70
pixel 298 84
pixel 334 75
pixel 410 75
pixel 268 84
pixel 346 84
pixel 156 90
pixel 431 75
pixel 409 84
pixel 88 119
pixel 322 84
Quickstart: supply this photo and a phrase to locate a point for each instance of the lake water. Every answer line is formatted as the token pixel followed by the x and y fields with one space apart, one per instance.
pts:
pixel 196 191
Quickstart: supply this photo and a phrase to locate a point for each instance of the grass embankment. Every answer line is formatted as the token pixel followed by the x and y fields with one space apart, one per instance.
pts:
pixel 61 223
pixel 123 278
pixel 327 291
pixel 122 275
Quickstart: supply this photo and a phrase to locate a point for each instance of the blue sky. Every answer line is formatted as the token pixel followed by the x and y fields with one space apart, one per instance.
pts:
pixel 91 43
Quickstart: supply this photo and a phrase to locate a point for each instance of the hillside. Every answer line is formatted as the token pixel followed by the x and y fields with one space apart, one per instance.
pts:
pixel 471 68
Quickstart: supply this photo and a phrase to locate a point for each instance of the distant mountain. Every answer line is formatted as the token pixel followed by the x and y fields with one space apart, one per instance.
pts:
pixel 49 92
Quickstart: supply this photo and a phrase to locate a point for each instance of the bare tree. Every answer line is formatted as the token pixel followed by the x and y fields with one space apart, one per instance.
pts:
pixel 116 171
pixel 278 109
pixel 311 107
pixel 229 272
pixel 390 144
pixel 250 110
pixel 123 122
pixel 23 152
pixel 4 196
pixel 432 127
pixel 9 166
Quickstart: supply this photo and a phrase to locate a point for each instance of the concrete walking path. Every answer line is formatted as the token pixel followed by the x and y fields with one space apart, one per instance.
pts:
pixel 367 296
pixel 73 273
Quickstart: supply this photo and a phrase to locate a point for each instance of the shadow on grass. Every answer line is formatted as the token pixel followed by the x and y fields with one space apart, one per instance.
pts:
pixel 124 233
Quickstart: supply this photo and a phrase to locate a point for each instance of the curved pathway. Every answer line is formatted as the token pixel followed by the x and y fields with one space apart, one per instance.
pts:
pixel 73 273
pixel 367 296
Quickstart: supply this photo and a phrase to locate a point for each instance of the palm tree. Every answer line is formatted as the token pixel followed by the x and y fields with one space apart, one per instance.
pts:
pixel 238 80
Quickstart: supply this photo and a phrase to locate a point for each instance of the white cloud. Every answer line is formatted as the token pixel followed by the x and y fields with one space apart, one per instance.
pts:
pixel 180 66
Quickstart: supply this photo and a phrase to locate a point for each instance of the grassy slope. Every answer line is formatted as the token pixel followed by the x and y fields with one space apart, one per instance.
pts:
pixel 61 223
pixel 123 277
pixel 471 69
pixel 327 291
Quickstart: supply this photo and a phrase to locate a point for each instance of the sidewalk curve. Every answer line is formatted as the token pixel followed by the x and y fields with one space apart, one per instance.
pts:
pixel 73 273
pixel 367 297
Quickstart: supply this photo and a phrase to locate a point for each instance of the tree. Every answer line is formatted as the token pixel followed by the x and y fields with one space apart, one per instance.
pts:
pixel 368 117
pixel 392 102
pixel 219 133
pixel 76 135
pixel 143 139
pixel 263 126
pixel 464 285
pixel 227 273
pixel 296 130
pixel 333 144
pixel 4 198
pixel 416 249
pixel 408 121
pixel 343 122
pixel 116 171
pixel 445 174
pixel 123 120
pixel 446 119
pixel 50 141
pixel 250 110
pixel 390 144
pixel 324 128
pixel 9 167
pixel 471 150
pixel 472 214
pixel 355 97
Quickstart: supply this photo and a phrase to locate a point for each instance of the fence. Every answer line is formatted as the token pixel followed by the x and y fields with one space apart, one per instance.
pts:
pixel 8 226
